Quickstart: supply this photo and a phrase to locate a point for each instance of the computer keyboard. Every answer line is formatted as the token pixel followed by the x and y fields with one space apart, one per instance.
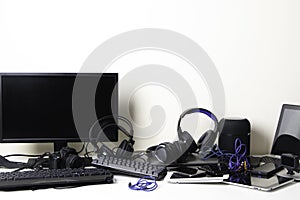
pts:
pixel 53 178
pixel 131 167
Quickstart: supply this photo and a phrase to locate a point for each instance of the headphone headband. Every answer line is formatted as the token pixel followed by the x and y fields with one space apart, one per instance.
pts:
pixel 124 119
pixel 121 128
pixel 198 110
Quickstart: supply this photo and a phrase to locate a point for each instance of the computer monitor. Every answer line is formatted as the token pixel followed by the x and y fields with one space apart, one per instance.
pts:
pixel 38 107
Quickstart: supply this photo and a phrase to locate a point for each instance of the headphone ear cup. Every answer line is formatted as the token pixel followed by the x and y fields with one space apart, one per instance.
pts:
pixel 175 151
pixel 201 139
pixel 163 152
pixel 74 161
pixel 125 149
pixel 206 142
pixel 190 142
pixel 171 152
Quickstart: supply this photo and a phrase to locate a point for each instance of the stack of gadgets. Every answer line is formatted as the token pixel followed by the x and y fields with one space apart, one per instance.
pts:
pixel 45 103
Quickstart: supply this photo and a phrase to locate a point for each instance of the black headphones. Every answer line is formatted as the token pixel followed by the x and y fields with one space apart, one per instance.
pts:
pixel 179 150
pixel 125 149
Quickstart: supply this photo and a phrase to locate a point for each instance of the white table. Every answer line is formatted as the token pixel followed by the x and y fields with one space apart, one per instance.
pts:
pixel 165 190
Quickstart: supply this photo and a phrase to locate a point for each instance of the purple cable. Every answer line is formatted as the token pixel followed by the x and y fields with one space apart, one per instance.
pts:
pixel 144 185
pixel 238 159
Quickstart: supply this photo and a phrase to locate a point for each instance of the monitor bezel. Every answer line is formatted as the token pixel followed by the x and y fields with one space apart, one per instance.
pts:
pixel 55 140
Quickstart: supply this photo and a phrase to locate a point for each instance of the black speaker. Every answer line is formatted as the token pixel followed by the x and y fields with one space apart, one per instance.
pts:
pixel 230 130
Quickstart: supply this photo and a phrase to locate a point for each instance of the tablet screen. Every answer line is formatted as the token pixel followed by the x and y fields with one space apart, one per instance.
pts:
pixel 266 184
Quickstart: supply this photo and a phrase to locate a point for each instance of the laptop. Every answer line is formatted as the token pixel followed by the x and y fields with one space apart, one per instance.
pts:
pixel 287 136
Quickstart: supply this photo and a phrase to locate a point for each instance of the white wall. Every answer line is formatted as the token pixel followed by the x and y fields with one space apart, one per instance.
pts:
pixel 254 44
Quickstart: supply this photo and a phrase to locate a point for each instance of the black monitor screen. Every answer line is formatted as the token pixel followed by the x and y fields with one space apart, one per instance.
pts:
pixel 290 123
pixel 38 107
pixel 287 137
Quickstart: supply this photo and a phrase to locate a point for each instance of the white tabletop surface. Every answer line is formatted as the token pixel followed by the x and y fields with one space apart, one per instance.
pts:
pixel 120 190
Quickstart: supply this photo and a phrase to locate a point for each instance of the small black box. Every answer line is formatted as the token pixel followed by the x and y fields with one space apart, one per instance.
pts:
pixel 290 161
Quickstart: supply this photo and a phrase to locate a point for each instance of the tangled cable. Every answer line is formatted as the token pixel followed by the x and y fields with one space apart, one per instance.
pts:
pixel 144 185
pixel 238 161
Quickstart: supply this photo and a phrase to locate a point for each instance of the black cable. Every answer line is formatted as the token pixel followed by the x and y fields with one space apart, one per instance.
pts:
pixel 10 164
pixel 86 154
pixel 39 161
pixel 82 148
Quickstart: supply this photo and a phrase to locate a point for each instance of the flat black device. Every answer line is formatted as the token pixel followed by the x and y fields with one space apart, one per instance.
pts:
pixel 39 107
pixel 266 170
pixel 51 178
pixel 187 172
pixel 291 162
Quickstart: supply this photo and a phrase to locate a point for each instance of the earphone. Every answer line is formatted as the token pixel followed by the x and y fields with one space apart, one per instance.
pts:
pixel 179 150
pixel 125 148
pixel 147 184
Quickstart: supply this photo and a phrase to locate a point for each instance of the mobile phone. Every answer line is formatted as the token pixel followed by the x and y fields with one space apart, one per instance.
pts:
pixel 266 170
pixel 187 172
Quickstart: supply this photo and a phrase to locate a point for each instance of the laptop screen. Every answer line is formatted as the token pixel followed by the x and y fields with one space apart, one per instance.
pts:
pixel 287 137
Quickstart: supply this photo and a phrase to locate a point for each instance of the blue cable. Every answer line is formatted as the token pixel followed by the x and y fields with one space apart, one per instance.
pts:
pixel 144 185
pixel 237 160
pixel 218 152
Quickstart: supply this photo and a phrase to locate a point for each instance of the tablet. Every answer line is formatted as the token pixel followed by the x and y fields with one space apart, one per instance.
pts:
pixel 253 182
pixel 193 175
pixel 205 179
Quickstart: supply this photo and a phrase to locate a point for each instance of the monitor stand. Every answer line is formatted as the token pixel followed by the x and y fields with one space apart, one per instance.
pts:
pixel 58 145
